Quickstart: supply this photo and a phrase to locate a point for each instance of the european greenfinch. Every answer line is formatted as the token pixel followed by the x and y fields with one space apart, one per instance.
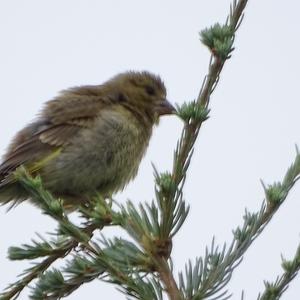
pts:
pixel 88 140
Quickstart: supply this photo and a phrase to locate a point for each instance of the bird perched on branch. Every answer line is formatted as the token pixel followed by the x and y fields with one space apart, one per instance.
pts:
pixel 87 140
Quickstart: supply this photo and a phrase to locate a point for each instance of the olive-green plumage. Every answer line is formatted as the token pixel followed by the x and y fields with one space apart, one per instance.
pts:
pixel 88 140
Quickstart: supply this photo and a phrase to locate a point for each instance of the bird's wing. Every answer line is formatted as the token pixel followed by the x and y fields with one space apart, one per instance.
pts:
pixel 36 149
pixel 77 105
pixel 61 119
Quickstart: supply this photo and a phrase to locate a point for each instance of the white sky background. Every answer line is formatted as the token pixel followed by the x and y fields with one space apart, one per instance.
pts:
pixel 47 46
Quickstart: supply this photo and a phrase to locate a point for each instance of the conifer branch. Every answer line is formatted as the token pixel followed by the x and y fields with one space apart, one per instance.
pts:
pixel 119 262
pixel 219 39
pixel 59 249
pixel 211 274
pixel 274 290
pixel 69 235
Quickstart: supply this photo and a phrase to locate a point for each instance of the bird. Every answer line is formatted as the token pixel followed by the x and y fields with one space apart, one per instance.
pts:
pixel 88 140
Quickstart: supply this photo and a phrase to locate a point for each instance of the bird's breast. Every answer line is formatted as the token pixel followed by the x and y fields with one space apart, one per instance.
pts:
pixel 101 158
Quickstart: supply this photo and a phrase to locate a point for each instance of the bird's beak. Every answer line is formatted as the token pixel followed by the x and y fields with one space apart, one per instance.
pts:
pixel 165 108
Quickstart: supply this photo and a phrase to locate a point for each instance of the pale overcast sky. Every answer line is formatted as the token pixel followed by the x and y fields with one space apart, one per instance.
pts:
pixel 48 45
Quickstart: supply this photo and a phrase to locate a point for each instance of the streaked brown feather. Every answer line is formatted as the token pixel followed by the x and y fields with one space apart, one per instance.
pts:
pixel 58 135
pixel 31 150
pixel 83 122
pixel 37 146
pixel 74 104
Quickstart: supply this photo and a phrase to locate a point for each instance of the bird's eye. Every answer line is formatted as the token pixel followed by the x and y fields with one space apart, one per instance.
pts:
pixel 150 90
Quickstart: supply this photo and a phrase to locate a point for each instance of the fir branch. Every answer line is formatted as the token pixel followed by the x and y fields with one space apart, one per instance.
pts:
pixel 36 250
pixel 208 277
pixel 194 114
pixel 13 290
pixel 147 228
pixel 53 285
pixel 59 249
pixel 52 207
pixel 119 262
pixel 273 291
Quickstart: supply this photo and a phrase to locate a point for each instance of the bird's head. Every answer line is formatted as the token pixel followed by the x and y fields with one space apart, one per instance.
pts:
pixel 143 93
